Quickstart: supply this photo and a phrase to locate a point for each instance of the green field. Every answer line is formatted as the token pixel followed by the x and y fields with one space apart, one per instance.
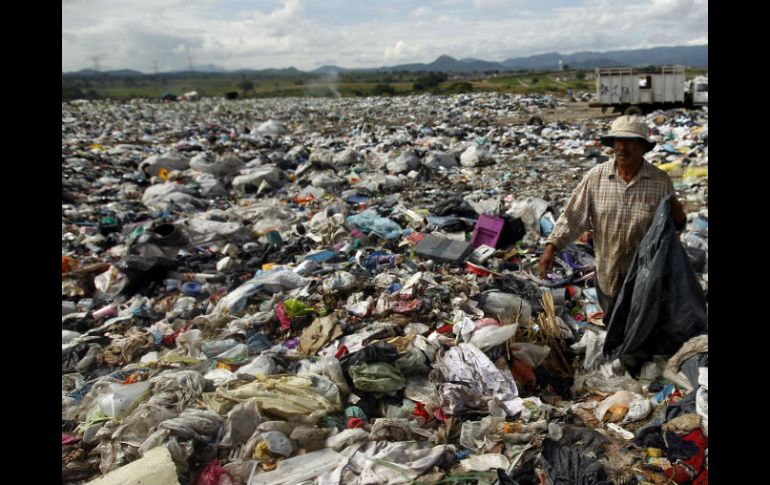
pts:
pixel 347 84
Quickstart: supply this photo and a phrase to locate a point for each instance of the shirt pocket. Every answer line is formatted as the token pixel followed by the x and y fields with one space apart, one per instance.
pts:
pixel 646 216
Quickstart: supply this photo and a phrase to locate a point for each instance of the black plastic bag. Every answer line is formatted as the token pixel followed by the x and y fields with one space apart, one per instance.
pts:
pixel 455 206
pixel 566 465
pixel 377 352
pixel 143 270
pixel 661 304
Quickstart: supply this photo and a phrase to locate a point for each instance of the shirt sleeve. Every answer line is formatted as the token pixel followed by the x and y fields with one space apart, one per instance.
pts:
pixel 575 218
pixel 669 186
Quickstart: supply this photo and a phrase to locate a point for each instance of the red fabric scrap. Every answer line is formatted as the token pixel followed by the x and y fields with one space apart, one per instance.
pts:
pixel 354 422
pixel 280 312
pixel 420 411
pixel 343 351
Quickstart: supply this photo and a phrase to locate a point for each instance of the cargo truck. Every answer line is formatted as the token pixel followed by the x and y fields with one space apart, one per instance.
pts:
pixel 640 91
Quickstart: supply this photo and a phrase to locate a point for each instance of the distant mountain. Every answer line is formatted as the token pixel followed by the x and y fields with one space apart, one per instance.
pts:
pixel 694 56
pixel 209 68
pixel 444 64
pixel 329 70
pixel 94 73
pixel 536 62
pixel 690 56
pixel 288 71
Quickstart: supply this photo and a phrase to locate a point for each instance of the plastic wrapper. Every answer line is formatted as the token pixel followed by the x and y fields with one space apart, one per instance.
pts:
pixel 288 396
pixel 378 377
pixel 269 281
pixel 200 424
pixel 178 389
pixel 340 281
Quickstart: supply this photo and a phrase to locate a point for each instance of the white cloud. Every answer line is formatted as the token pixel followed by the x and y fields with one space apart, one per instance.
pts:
pixel 422 12
pixel 497 5
pixel 307 34
pixel 401 51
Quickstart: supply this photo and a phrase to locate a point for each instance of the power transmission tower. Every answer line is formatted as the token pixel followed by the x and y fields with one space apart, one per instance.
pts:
pixel 96 59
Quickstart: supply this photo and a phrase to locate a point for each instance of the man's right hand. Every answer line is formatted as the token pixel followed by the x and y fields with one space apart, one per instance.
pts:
pixel 546 260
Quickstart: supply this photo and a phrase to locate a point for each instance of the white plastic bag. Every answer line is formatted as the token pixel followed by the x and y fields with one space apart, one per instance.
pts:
pixel 117 403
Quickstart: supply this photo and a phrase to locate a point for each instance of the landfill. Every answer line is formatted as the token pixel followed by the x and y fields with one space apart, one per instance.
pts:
pixel 345 291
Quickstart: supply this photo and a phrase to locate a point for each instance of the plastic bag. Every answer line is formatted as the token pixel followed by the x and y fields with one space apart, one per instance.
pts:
pixel 505 307
pixel 269 281
pixel 200 424
pixel 661 304
pixel 436 160
pixel 328 366
pixel 191 341
pixel 369 221
pixel 288 396
pixel 277 443
pixel 490 336
pixel 300 468
pixel 220 376
pixel 214 474
pixel 339 281
pixel 178 389
pixel 617 404
pixel 263 364
pixel 377 377
pixel 592 342
pixel 254 177
pixel 405 162
pixel 475 156
pixel 216 347
pixel 531 354
pixel 241 423
pixel 111 282
pixel 122 398
pixel 486 462
pixel 481 436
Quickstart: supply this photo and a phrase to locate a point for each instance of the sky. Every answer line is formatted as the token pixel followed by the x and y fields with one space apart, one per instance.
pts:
pixel 166 35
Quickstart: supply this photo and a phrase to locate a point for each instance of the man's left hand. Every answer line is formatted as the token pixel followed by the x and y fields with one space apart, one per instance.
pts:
pixel 677 213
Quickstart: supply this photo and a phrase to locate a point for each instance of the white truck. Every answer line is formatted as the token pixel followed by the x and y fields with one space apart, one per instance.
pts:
pixel 640 91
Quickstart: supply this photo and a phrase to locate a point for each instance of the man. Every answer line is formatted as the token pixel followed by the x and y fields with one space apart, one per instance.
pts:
pixel 618 200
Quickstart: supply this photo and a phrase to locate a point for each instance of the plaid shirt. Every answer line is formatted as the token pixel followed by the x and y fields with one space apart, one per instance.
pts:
pixel 620 214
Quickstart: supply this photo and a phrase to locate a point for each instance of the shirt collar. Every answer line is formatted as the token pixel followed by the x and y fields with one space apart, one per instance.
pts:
pixel 644 172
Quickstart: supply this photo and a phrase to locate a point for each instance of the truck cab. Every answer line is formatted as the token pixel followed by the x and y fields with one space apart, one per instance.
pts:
pixel 699 90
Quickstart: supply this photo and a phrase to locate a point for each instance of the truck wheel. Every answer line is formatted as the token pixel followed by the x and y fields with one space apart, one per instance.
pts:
pixel 633 111
pixel 535 120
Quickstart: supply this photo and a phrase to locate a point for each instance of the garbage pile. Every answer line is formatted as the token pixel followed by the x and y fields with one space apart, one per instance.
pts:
pixel 346 291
